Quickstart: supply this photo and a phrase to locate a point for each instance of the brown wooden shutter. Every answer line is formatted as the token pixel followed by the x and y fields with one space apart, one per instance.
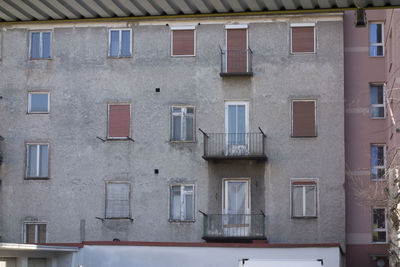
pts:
pixel 303 118
pixel 119 118
pixel 183 42
pixel 237 50
pixel 302 39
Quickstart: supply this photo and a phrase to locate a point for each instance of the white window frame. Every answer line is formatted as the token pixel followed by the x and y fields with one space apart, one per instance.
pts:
pixel 377 44
pixel 182 115
pixel 27 145
pixel 315 116
pixel 379 229
pixel 378 166
pixel 181 28
pixel 303 24
pixel 40 44
pixel 30 102
pixel 227 104
pixel 119 42
pixel 108 120
pixel 378 105
pixel 24 232
pixel 130 200
pixel 182 195
pixel 305 180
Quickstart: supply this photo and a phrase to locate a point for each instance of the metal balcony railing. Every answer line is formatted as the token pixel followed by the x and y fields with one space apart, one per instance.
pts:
pixel 236 62
pixel 223 227
pixel 219 146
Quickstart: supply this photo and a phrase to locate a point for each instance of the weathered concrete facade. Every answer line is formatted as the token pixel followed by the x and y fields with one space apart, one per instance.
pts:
pixel 82 80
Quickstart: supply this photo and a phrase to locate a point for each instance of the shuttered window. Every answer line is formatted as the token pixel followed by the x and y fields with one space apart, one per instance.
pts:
pixel 119 117
pixel 303 118
pixel 183 42
pixel 117 200
pixel 35 233
pixel 237 49
pixel 302 38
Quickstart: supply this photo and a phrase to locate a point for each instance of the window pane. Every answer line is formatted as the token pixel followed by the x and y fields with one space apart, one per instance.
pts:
pixel 379 218
pixel 30 233
pixel 46 45
pixel 297 201
pixel 379 236
pixel 176 127
pixel 39 102
pixel 44 160
pixel 189 207
pixel 232 124
pixel 125 43
pixel 175 208
pixel 377 156
pixel 189 110
pixel 114 44
pixel 373 33
pixel 376 94
pixel 32 161
pixel 310 201
pixel 42 233
pixel 377 112
pixel 379 50
pixel 35 45
pixel 189 128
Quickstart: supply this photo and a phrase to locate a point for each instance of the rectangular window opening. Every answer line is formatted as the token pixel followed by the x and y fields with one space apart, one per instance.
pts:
pixel 182 123
pixel 35 232
pixel 40 45
pixel 302 38
pixel 377 101
pixel 379 233
pixel 38 102
pixel 182 202
pixel 378 161
pixel 376 48
pixel 183 41
pixel 304 118
pixel 119 121
pixel 304 198
pixel 120 43
pixel 37 161
pixel 118 195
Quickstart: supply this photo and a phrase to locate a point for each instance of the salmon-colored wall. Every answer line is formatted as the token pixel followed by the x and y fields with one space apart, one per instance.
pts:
pixel 360 255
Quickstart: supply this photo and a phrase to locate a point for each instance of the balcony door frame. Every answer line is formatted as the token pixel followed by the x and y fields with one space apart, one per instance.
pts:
pixel 229 228
pixel 236 27
pixel 236 103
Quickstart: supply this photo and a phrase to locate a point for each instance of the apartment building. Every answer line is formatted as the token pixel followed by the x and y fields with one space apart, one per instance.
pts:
pixel 205 130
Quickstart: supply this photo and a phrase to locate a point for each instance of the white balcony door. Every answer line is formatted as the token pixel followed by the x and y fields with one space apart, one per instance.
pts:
pixel 236 128
pixel 236 207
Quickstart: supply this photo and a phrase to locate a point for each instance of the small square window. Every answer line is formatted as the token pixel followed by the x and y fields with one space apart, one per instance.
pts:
pixel 35 232
pixel 40 45
pixel 183 41
pixel 304 198
pixel 303 118
pixel 120 43
pixel 38 102
pixel 37 160
pixel 119 121
pixel 379 225
pixel 302 38
pixel 378 162
pixel 376 39
pixel 182 124
pixel 182 203
pixel 377 99
pixel 118 196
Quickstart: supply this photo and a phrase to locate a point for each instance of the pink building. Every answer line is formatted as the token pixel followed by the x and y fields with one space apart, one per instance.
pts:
pixel 366 138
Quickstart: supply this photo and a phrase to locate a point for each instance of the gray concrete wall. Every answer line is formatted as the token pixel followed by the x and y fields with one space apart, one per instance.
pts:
pixel 82 80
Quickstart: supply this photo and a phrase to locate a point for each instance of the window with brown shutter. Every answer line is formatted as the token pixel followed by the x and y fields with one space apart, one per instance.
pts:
pixel 183 41
pixel 303 38
pixel 119 117
pixel 303 118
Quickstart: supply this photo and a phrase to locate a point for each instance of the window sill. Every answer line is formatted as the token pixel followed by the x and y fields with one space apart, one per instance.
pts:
pixel 34 59
pixel 181 221
pixel 376 56
pixel 182 141
pixel 44 112
pixel 377 118
pixel 379 243
pixel 311 136
pixel 178 56
pixel 378 180
pixel 37 178
pixel 303 53
pixel 304 217
pixel 122 57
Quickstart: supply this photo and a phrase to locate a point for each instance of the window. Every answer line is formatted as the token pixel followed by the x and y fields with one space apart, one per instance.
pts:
pixel 119 118
pixel 375 39
pixel 378 162
pixel 182 203
pixel 120 44
pixel 302 37
pixel 237 54
pixel 182 120
pixel 37 161
pixel 304 198
pixel 303 118
pixel 37 262
pixel 118 195
pixel 35 232
pixel 377 98
pixel 183 41
pixel 40 45
pixel 379 225
pixel 38 102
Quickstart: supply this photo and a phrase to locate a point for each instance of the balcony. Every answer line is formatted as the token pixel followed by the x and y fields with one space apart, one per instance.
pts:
pixel 239 146
pixel 233 227
pixel 236 62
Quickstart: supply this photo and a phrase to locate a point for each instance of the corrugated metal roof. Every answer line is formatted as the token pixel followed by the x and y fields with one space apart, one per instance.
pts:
pixel 30 10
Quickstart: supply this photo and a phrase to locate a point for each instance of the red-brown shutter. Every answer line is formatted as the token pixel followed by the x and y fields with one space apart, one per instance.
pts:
pixel 237 50
pixel 183 42
pixel 119 118
pixel 304 183
pixel 302 39
pixel 303 118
